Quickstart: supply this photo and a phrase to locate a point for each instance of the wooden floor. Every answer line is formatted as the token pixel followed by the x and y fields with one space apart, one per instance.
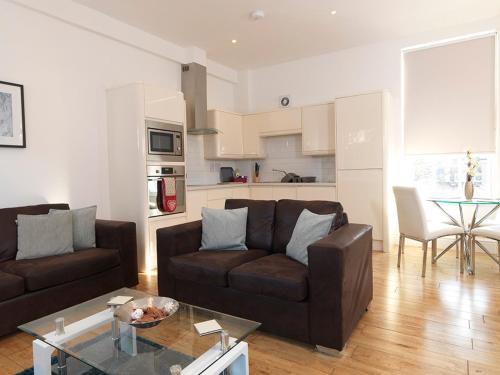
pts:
pixel 444 324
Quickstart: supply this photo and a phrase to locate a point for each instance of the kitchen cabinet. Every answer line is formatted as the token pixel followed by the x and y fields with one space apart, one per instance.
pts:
pixel 284 192
pixel 318 129
pixel 361 193
pixel 212 198
pixel 217 203
pixel 196 199
pixel 241 193
pixel 216 198
pixel 128 107
pixel 261 192
pixel 359 131
pixel 156 223
pixel 228 142
pixel 281 122
pixel 252 141
pixel 164 104
pixel 317 193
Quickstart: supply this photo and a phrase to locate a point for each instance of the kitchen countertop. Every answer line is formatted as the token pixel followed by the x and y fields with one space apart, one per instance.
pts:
pixel 250 184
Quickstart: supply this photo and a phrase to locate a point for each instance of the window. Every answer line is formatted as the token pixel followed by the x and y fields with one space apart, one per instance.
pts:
pixel 449 106
pixel 444 175
pixel 449 97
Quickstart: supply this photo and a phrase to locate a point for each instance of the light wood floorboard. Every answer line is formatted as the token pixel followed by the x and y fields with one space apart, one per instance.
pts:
pixel 447 323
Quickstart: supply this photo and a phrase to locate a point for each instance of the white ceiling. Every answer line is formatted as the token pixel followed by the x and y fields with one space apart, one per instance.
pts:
pixel 291 29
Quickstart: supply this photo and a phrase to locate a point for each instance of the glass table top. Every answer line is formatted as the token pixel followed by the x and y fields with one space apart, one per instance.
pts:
pixel 149 351
pixel 465 201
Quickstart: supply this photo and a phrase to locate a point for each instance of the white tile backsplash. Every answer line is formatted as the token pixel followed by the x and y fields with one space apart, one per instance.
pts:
pixel 199 170
pixel 283 152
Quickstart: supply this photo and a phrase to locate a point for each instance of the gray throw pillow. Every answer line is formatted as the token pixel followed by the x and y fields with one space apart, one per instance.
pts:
pixel 44 235
pixel 224 229
pixel 83 226
pixel 309 228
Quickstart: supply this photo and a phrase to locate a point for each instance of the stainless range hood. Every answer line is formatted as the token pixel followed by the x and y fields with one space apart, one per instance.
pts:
pixel 194 87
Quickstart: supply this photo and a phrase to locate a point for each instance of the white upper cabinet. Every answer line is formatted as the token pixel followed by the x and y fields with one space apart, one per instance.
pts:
pixel 318 129
pixel 228 142
pixel 164 104
pixel 282 122
pixel 252 142
pixel 359 131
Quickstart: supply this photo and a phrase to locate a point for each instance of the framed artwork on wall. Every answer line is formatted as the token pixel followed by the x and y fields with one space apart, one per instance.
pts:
pixel 12 131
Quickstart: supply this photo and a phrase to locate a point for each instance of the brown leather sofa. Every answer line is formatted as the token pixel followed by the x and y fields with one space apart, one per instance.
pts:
pixel 319 304
pixel 32 288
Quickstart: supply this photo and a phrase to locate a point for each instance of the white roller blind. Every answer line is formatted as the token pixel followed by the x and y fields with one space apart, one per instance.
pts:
pixel 449 97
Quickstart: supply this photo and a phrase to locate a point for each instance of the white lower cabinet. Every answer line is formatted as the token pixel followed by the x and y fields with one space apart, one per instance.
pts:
pixel 156 223
pixel 284 192
pixel 216 197
pixel 212 198
pixel 319 193
pixel 261 193
pixel 196 199
pixel 241 193
pixel 217 203
pixel 361 193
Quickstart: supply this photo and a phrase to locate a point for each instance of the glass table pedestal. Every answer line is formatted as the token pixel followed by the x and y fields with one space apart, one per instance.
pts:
pixel 465 225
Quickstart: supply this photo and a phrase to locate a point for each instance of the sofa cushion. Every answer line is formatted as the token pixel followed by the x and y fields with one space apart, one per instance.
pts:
pixel 83 226
pixel 223 229
pixel 55 270
pixel 8 234
pixel 44 235
pixel 260 221
pixel 10 286
pixel 274 276
pixel 210 267
pixel 288 212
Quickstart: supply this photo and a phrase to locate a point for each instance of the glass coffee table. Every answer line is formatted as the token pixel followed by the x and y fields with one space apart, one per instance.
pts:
pixel 95 342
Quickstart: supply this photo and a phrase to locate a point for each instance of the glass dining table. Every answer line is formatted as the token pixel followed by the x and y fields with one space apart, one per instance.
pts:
pixel 444 204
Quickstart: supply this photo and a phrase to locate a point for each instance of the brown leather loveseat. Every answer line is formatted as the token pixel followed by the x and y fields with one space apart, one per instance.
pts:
pixel 319 304
pixel 32 288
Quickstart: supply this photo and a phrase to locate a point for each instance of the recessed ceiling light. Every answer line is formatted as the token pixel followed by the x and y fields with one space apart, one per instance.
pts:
pixel 234 41
pixel 257 15
pixel 333 12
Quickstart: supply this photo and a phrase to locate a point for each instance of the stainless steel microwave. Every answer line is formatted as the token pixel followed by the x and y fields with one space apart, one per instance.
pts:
pixel 165 142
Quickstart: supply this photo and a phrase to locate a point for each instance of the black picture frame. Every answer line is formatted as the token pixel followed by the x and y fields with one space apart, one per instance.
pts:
pixel 22 114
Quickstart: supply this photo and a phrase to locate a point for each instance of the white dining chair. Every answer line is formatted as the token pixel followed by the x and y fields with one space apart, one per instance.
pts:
pixel 491 232
pixel 413 224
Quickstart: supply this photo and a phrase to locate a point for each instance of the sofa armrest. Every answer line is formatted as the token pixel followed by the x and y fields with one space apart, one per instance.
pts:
pixel 120 235
pixel 340 283
pixel 171 241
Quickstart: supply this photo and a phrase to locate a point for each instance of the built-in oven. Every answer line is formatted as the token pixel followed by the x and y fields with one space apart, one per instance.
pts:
pixel 164 141
pixel 166 189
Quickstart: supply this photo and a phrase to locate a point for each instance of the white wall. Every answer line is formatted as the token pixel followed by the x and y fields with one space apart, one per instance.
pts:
pixel 65 70
pixel 220 94
pixel 322 78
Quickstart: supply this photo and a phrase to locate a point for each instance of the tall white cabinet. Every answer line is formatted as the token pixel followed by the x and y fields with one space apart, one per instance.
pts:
pixel 361 147
pixel 128 107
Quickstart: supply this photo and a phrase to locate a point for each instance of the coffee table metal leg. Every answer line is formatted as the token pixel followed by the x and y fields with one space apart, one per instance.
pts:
pixel 61 363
